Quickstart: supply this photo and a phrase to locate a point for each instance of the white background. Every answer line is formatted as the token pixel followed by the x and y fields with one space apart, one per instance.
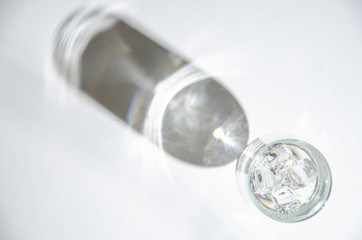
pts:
pixel 70 170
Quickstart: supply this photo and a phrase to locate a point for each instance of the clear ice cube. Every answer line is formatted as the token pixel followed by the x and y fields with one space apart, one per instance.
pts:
pixel 284 196
pixel 303 173
pixel 286 200
pixel 264 180
pixel 282 178
pixel 279 156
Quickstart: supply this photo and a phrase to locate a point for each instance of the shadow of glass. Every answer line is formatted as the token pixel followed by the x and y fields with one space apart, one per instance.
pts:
pixel 186 112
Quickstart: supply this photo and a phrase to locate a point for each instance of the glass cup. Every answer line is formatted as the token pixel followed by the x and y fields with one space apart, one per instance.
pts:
pixel 287 179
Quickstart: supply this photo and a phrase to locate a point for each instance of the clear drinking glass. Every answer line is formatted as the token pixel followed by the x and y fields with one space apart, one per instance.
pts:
pixel 287 179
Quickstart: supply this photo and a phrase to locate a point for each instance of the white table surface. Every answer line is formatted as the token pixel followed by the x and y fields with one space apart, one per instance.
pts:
pixel 69 170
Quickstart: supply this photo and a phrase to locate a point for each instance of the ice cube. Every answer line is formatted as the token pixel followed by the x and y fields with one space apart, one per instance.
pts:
pixel 310 168
pixel 282 178
pixel 286 200
pixel 279 156
pixel 266 199
pixel 263 179
pixel 303 173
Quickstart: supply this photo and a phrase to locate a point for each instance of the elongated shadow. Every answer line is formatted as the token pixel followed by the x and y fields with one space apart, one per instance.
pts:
pixel 184 111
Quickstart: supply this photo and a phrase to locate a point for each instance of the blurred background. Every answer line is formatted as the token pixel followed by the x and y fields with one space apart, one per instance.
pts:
pixel 70 169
